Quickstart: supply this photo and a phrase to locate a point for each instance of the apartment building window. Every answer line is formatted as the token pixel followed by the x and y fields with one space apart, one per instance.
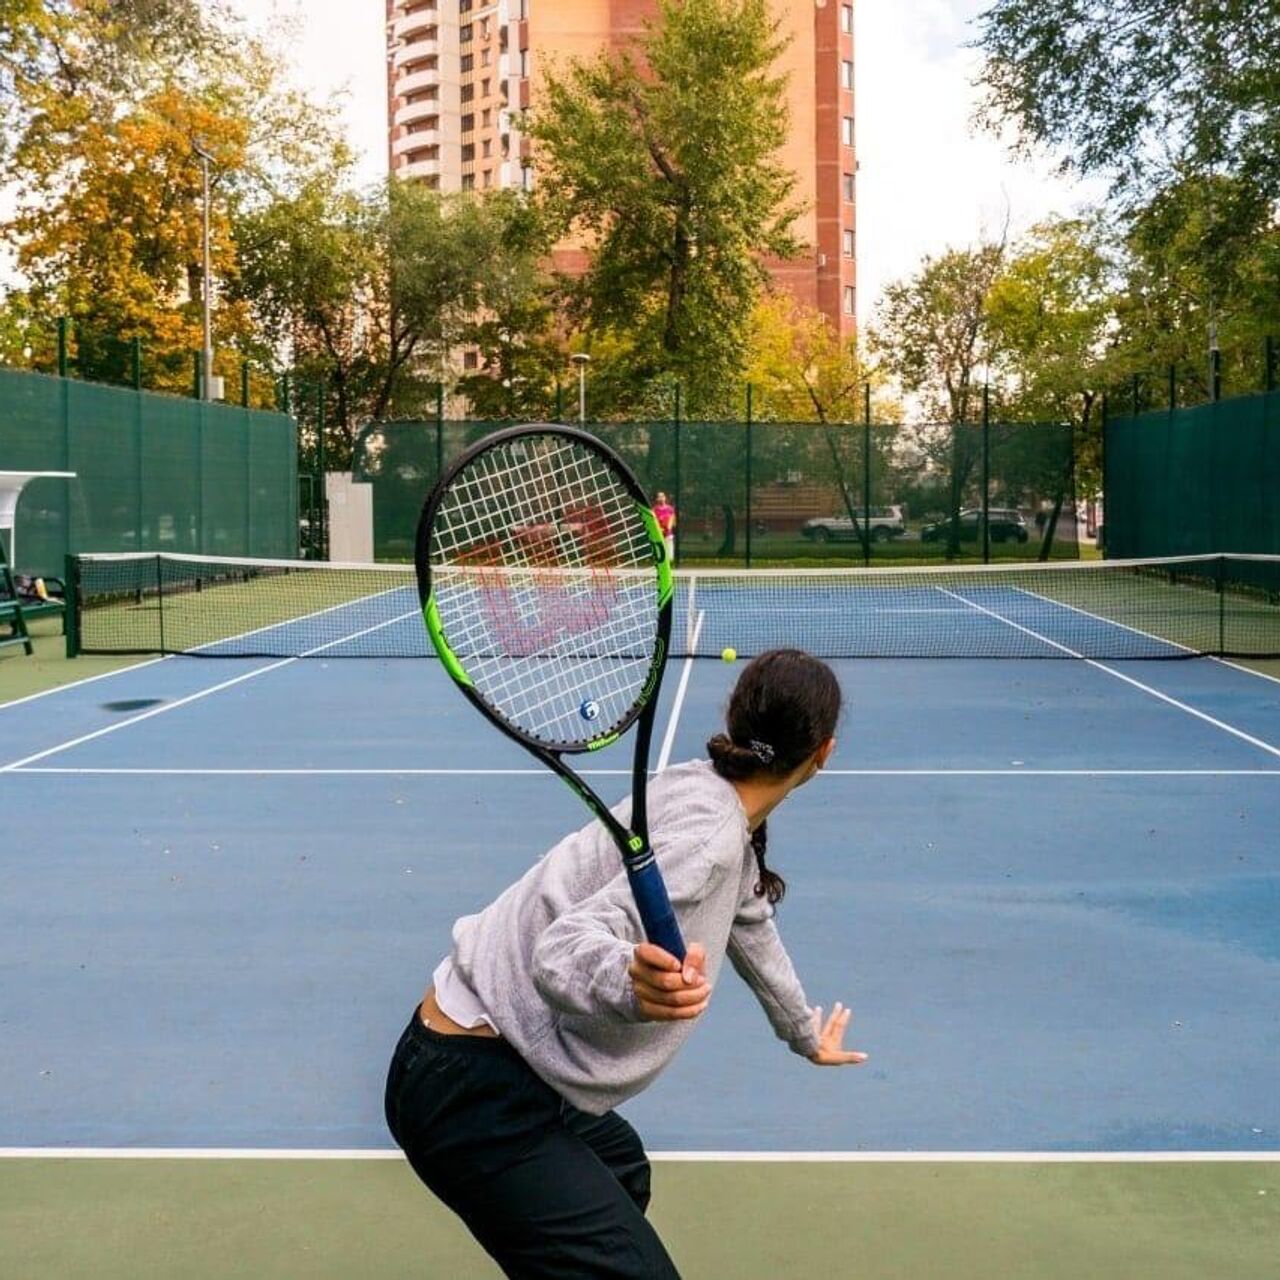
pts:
pixel 470 359
pixel 486 148
pixel 848 244
pixel 464 33
pixel 526 178
pixel 464 6
pixel 468 182
pixel 466 62
pixel 484 28
pixel 524 63
pixel 468 152
pixel 846 18
pixel 846 75
pixel 468 124
pixel 849 301
pixel 488 177
pixel 847 186
pixel 485 88
pixel 468 92
pixel 485 55
pixel 846 131
pixel 487 118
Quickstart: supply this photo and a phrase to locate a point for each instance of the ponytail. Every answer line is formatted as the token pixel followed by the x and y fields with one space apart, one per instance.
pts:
pixel 783 708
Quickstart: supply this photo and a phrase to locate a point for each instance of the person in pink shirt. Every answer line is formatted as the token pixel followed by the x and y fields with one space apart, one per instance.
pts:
pixel 665 514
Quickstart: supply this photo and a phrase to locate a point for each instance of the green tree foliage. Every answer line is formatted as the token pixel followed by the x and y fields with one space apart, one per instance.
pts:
pixel 664 160
pixel 1150 91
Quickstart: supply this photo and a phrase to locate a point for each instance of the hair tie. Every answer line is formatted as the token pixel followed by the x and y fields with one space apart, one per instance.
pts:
pixel 761 750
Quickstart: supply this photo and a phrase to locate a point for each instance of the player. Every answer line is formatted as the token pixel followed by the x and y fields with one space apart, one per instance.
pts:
pixel 665 514
pixel 550 1010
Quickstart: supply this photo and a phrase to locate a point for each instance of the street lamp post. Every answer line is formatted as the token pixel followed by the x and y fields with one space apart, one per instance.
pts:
pixel 581 359
pixel 207 360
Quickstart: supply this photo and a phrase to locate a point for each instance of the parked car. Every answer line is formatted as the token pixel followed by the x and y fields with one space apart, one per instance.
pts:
pixel 1006 523
pixel 885 523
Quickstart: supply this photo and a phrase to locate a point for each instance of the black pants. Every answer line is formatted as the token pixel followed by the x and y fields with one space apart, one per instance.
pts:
pixel 548 1190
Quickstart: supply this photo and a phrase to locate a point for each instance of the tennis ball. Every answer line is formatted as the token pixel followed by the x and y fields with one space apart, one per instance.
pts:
pixel 729 655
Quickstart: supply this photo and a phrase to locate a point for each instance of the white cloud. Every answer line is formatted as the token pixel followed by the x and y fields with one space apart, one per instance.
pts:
pixel 927 178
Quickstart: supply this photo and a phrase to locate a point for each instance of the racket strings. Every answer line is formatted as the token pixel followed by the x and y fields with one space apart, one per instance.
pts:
pixel 545 583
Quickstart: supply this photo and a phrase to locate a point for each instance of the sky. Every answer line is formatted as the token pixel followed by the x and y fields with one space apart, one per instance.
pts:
pixel 927 181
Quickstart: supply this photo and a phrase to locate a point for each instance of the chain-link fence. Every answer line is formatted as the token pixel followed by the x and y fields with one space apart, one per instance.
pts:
pixel 756 493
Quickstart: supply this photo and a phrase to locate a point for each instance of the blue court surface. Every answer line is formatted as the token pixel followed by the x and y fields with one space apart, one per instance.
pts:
pixel 1049 889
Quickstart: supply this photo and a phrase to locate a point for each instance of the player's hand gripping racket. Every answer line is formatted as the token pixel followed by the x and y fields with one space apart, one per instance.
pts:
pixel 547 595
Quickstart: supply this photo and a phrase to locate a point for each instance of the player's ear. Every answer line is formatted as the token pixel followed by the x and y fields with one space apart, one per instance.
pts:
pixel 824 753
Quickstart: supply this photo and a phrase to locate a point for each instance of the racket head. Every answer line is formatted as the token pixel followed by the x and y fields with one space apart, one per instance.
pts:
pixel 545 585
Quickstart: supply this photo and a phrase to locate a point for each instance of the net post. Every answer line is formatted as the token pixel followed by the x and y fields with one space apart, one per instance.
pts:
pixel 866 474
pixel 986 473
pixel 750 451
pixel 676 488
pixel 1222 605
pixel 160 598
pixel 691 614
pixel 71 573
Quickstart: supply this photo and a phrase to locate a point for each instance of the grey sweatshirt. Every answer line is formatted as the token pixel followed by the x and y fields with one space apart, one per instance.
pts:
pixel 548 958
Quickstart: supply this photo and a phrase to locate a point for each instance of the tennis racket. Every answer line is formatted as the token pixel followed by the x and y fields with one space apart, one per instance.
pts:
pixel 547 594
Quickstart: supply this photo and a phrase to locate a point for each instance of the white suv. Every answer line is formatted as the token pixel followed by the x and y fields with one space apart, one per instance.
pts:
pixel 885 523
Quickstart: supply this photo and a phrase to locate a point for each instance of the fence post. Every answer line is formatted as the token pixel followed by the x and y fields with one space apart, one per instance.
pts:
pixel 986 473
pixel 1215 375
pixel 559 403
pixel 1102 536
pixel 195 386
pixel 135 354
pixel 676 487
pixel 285 406
pixel 1173 387
pixel 1134 390
pixel 322 503
pixel 867 474
pixel 750 447
pixel 1269 363
pixel 244 384
pixel 62 346
pixel 439 430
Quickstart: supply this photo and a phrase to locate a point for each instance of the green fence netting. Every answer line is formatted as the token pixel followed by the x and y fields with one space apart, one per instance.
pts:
pixel 773 492
pixel 153 472
pixel 1195 481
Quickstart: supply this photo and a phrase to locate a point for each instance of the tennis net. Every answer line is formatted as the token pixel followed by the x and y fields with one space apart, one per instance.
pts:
pixel 1222 605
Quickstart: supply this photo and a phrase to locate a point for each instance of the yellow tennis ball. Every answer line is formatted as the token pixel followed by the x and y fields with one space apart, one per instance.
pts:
pixel 729 655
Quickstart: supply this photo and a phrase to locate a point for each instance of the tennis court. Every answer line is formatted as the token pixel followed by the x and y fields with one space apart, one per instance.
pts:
pixel 1049 889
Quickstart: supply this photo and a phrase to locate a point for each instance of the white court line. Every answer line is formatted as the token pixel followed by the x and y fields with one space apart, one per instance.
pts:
pixel 75 684
pixel 669 739
pixel 199 649
pixel 1120 675
pixel 674 1157
pixel 194 697
pixel 1149 635
pixel 413 771
pixel 319 773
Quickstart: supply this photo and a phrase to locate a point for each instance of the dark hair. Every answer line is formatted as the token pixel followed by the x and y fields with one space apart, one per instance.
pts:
pixel 783 708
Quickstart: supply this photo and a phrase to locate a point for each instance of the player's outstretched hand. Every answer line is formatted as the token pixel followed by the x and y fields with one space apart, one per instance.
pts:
pixel 831 1051
pixel 666 990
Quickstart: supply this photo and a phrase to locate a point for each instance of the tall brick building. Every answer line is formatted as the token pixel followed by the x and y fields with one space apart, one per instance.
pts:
pixel 459 71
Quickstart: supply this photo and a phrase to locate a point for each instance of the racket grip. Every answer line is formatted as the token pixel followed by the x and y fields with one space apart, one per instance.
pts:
pixel 659 920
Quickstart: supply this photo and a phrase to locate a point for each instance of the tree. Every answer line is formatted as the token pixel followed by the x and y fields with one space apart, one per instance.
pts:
pixel 111 99
pixel 1145 90
pixel 372 292
pixel 665 161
